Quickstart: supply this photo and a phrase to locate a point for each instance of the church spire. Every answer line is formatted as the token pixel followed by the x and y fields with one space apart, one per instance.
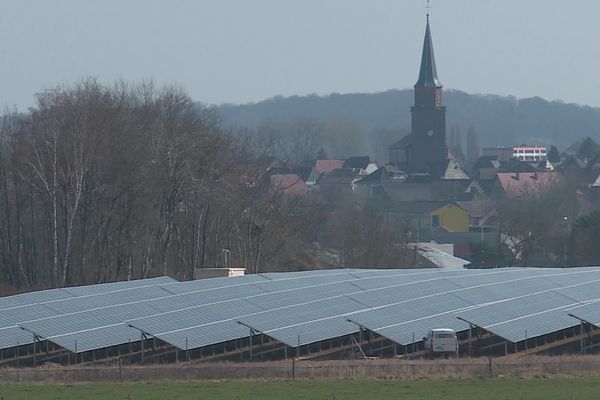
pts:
pixel 428 73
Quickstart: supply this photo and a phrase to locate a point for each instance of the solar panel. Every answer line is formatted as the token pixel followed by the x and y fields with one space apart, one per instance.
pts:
pixel 513 303
pixel 305 321
pixel 189 295
pixel 214 283
pixel 589 313
pixel 511 318
pixel 54 302
pixel 416 322
pixel 13 336
pixel 177 327
pixel 286 298
pixel 98 338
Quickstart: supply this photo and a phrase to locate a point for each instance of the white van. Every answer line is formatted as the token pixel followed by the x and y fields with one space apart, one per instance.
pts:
pixel 441 341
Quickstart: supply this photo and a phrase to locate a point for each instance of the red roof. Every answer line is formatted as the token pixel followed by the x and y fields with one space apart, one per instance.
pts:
pixel 326 166
pixel 289 184
pixel 521 184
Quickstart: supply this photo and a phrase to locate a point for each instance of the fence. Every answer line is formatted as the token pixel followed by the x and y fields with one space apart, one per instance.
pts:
pixel 395 368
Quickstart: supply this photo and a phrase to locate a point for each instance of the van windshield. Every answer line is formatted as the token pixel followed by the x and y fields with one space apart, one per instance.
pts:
pixel 444 335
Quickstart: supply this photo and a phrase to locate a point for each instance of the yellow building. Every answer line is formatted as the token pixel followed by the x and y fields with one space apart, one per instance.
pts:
pixel 451 218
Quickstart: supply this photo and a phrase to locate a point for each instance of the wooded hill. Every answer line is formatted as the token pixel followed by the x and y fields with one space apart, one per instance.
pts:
pixel 383 117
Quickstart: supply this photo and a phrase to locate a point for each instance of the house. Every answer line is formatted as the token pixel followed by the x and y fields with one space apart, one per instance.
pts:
pixel 290 184
pixel 340 177
pixel 521 184
pixel 313 178
pixel 326 166
pixel 517 166
pixel 357 163
pixel 482 213
pixel 485 167
pixel 453 171
pixel 525 153
pixel 302 171
pixel 474 188
pixel 397 153
pixel 416 214
pixel 362 165
pixel 450 218
pixel 375 178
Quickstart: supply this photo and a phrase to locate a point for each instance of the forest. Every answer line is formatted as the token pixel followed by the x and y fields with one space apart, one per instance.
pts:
pixel 109 182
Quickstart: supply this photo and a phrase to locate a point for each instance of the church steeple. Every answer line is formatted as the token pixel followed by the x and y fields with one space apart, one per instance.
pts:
pixel 428 149
pixel 428 72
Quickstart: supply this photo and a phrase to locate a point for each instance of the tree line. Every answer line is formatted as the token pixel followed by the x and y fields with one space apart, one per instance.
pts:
pixel 107 182
pixel 110 182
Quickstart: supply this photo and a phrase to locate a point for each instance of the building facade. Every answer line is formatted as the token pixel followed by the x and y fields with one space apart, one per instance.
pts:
pixel 524 153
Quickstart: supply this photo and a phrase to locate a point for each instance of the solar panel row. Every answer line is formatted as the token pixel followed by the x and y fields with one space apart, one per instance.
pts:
pixel 17 309
pixel 305 307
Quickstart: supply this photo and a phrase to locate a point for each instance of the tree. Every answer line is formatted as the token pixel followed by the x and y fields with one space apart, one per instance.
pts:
pixel 472 144
pixel 343 138
pixel 533 226
pixel 583 243
pixel 455 143
pixel 111 182
pixel 553 154
pixel 367 239
pixel 588 149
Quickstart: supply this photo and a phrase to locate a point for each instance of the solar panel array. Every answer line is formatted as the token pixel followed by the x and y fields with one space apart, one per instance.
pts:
pixel 299 308
pixel 21 308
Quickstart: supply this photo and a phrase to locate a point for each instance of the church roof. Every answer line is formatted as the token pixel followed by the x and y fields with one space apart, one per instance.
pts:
pixel 428 73
pixel 401 144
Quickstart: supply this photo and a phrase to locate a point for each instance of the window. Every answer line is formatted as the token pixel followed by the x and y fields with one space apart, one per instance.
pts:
pixel 435 221
pixel 444 335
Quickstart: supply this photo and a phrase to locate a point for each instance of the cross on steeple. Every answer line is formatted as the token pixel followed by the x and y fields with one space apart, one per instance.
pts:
pixel 428 9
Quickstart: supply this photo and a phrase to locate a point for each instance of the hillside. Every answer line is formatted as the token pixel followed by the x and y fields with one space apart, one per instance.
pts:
pixel 498 120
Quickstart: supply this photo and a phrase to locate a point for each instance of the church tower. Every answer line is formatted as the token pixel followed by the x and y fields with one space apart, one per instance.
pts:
pixel 427 150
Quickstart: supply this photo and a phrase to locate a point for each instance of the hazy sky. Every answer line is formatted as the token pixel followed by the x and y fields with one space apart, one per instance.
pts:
pixel 248 50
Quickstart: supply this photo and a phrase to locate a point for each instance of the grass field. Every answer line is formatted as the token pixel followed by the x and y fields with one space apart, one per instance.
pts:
pixel 464 389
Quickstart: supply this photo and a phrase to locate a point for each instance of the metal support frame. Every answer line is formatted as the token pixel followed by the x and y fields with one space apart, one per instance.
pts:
pixel 471 327
pixel 582 323
pixel 359 347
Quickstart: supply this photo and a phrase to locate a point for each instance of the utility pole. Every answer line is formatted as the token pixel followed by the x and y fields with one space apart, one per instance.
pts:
pixel 566 231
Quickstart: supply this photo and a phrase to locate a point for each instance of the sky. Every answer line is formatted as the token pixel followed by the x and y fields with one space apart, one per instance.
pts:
pixel 238 51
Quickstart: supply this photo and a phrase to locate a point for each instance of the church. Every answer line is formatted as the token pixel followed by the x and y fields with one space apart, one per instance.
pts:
pixel 424 151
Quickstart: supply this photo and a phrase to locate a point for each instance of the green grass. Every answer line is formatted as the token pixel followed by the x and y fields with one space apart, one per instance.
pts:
pixel 463 389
